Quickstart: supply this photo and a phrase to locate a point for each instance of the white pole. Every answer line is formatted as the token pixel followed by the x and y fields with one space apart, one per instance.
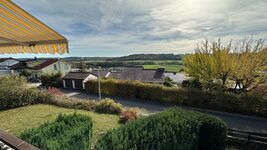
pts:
pixel 99 88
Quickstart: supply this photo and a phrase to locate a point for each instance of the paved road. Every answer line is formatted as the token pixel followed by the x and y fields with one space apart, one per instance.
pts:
pixel 235 121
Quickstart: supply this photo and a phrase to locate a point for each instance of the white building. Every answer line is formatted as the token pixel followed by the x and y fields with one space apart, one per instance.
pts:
pixel 37 67
pixel 5 64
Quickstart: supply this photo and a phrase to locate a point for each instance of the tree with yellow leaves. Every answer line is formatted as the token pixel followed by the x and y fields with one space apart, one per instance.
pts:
pixel 214 63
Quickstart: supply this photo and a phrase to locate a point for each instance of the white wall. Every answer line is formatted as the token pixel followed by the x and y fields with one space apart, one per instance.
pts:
pixel 62 66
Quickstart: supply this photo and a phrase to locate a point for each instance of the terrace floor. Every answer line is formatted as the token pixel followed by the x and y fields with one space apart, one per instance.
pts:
pixel 234 121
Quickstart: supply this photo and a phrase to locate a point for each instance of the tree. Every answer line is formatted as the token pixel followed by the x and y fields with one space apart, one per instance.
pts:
pixel 215 64
pixel 248 63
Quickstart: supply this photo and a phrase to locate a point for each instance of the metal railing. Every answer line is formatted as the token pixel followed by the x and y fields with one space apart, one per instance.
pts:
pixel 247 140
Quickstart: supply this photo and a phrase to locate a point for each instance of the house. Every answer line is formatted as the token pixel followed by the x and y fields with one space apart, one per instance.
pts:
pixel 77 80
pixel 37 67
pixel 6 64
pixel 102 73
pixel 140 74
pixel 176 77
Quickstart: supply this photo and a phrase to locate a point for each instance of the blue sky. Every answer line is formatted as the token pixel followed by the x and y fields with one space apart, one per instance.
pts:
pixel 122 27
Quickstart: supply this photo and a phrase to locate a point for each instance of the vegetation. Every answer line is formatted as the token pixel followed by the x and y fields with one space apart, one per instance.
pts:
pixel 218 66
pixel 249 103
pixel 167 82
pixel 69 102
pixel 66 132
pixel 15 121
pixel 172 129
pixel 51 80
pixel 148 57
pixel 108 106
pixel 128 58
pixel 15 93
pixel 129 115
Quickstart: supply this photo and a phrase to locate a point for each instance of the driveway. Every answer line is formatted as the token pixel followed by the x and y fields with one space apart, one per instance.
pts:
pixel 234 121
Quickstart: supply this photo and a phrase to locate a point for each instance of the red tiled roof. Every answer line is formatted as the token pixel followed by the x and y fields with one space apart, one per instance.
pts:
pixel 44 64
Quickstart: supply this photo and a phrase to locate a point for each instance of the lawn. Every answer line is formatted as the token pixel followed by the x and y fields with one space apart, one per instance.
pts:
pixel 17 120
pixel 170 68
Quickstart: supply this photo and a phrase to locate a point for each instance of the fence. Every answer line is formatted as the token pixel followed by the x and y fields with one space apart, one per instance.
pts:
pixel 247 140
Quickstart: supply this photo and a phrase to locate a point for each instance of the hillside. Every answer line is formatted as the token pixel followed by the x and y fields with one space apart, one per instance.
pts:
pixel 148 57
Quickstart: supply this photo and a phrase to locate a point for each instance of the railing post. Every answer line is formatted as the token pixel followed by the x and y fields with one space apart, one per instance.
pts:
pixel 249 137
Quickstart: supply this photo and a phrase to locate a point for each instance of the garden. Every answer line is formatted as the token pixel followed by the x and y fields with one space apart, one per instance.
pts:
pixel 49 120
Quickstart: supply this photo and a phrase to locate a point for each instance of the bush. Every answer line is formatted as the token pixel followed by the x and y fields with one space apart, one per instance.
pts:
pixel 172 129
pixel 15 93
pixel 69 102
pixel 54 91
pixel 250 103
pixel 66 132
pixel 108 106
pixel 51 80
pixel 129 115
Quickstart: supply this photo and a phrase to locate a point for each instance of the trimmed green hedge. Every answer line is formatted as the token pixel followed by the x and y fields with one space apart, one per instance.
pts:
pixel 246 104
pixel 172 129
pixel 51 80
pixel 67 132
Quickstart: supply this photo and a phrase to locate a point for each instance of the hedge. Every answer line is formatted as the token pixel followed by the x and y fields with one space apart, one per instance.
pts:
pixel 67 132
pixel 52 80
pixel 246 104
pixel 172 129
pixel 15 93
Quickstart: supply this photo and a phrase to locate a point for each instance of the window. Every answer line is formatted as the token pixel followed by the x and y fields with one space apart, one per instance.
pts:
pixel 55 66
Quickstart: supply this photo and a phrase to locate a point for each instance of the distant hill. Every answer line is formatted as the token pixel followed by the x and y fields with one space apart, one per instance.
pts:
pixel 130 57
pixel 148 57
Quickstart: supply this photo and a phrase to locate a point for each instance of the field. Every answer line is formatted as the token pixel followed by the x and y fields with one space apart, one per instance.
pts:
pixel 15 121
pixel 169 68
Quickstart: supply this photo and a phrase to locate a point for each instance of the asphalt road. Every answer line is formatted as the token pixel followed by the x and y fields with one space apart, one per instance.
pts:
pixel 234 121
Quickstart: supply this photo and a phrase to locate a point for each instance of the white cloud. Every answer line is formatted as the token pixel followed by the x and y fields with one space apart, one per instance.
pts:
pixel 119 27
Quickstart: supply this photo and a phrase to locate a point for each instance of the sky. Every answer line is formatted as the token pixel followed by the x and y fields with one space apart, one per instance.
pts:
pixel 123 27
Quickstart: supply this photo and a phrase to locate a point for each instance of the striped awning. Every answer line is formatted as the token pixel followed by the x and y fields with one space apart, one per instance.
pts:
pixel 20 32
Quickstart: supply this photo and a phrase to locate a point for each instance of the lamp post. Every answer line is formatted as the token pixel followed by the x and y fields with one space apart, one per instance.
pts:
pixel 99 87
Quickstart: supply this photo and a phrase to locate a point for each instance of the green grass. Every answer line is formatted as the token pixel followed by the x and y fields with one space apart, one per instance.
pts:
pixel 170 68
pixel 15 121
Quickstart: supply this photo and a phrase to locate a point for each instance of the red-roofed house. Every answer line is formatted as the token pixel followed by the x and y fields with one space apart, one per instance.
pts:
pixel 37 67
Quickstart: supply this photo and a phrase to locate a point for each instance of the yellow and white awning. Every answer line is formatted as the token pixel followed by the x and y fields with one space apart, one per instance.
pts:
pixel 20 32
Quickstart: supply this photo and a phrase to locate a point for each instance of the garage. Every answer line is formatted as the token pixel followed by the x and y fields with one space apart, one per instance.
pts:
pixel 76 80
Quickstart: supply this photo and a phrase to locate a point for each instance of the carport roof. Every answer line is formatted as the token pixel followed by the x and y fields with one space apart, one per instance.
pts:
pixel 77 75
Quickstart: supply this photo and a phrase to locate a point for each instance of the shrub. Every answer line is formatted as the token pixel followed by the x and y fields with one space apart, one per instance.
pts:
pixel 15 93
pixel 66 132
pixel 51 80
pixel 108 106
pixel 129 115
pixel 73 103
pixel 172 129
pixel 54 91
pixel 250 103
pixel 168 82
